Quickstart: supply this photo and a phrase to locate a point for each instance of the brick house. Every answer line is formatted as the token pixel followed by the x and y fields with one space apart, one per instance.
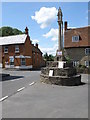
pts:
pixel 17 52
pixel 77 45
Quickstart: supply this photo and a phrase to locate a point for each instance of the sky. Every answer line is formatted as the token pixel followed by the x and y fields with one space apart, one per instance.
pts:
pixel 41 20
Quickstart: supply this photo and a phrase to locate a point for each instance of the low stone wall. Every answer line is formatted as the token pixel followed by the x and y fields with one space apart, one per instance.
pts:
pixel 59 71
pixel 83 70
pixel 61 80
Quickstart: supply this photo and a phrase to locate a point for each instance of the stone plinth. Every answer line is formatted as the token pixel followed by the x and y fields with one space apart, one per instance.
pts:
pixel 66 76
pixel 61 80
pixel 59 72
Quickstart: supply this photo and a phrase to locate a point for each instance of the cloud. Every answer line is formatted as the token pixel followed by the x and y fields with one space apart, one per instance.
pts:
pixel 35 41
pixel 51 50
pixel 45 16
pixel 53 34
pixel 72 27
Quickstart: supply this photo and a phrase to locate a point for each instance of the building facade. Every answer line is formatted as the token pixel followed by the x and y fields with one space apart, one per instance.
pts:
pixel 18 52
pixel 77 45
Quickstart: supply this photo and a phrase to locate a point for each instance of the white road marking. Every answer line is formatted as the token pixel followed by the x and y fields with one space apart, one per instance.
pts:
pixel 17 79
pixel 32 83
pixel 20 89
pixel 3 98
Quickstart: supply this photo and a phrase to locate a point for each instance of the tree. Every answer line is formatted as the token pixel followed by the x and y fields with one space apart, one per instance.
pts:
pixel 51 57
pixel 16 31
pixel 48 57
pixel 7 31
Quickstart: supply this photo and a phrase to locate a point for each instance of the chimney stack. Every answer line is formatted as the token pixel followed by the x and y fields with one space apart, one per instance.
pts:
pixel 37 45
pixel 65 25
pixel 26 30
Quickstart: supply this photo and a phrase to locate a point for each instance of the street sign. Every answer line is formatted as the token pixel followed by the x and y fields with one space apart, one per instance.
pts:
pixel 59 53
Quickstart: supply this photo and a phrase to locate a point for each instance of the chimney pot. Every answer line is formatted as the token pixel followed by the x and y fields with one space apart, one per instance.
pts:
pixel 37 45
pixel 65 25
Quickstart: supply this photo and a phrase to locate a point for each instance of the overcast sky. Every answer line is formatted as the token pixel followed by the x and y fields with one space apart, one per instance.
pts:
pixel 41 20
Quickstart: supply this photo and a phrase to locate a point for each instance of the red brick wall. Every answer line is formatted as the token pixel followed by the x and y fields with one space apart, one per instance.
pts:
pixel 38 63
pixel 25 49
pixel 28 51
pixel 11 52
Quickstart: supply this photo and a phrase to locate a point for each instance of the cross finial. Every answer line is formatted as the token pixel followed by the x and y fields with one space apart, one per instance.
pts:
pixel 26 30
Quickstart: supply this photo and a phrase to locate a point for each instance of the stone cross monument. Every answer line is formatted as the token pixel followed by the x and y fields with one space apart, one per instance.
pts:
pixel 60 35
pixel 60 71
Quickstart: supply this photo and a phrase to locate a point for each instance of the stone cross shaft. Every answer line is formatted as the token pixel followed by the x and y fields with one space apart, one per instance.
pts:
pixel 59 38
pixel 60 34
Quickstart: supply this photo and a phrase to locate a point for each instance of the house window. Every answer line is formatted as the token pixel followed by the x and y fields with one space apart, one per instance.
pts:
pixel 11 60
pixel 16 48
pixel 5 49
pixel 23 62
pixel 75 63
pixel 87 51
pixel 75 38
pixel 87 63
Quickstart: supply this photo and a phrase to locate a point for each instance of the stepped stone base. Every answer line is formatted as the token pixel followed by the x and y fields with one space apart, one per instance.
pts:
pixel 55 74
pixel 59 71
pixel 61 80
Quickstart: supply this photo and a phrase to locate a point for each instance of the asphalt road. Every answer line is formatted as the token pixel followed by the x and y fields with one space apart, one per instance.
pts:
pixel 17 80
pixel 48 101
pixel 43 100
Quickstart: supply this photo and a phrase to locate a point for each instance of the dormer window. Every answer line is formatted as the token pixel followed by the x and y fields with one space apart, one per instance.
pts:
pixel 5 49
pixel 16 48
pixel 75 38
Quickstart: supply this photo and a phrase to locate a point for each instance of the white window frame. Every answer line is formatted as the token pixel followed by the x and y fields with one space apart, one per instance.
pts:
pixel 75 38
pixel 87 51
pixel 16 48
pixel 75 63
pixel 22 62
pixel 87 63
pixel 6 49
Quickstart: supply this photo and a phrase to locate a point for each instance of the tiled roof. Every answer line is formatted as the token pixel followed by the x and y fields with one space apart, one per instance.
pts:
pixel 83 34
pixel 15 39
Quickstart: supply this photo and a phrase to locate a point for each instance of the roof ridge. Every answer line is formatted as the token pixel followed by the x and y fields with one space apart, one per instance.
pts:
pixel 12 35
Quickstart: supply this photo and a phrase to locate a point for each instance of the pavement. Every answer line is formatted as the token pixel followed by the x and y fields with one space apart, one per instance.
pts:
pixel 40 100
